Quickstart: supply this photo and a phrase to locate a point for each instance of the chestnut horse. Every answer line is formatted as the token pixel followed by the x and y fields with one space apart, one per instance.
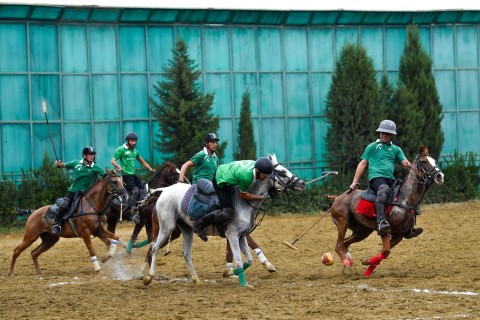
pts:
pixel 166 176
pixel 422 174
pixel 88 219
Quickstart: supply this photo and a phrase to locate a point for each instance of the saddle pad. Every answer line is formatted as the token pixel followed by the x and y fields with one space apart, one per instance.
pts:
pixel 367 208
pixel 188 196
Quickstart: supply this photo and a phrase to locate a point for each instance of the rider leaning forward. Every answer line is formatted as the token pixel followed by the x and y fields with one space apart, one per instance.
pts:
pixel 380 157
pixel 237 173
pixel 85 173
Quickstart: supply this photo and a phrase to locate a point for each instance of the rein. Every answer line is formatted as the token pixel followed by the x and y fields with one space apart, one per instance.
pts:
pixel 115 192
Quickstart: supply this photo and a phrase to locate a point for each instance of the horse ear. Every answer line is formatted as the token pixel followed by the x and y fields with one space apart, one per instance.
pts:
pixel 273 158
pixel 423 150
pixel 107 170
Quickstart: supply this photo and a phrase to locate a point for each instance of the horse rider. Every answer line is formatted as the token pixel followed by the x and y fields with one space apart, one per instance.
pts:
pixel 205 161
pixel 85 173
pixel 380 157
pixel 205 164
pixel 126 154
pixel 237 173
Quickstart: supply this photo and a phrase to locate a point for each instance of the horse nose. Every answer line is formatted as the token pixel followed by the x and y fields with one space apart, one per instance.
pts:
pixel 439 177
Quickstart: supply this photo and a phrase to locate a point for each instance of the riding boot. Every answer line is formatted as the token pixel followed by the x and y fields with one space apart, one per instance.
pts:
pixel 382 224
pixel 134 205
pixel 200 225
pixel 415 232
pixel 57 222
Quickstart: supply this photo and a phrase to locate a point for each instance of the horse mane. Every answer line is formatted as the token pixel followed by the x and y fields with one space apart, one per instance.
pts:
pixel 167 168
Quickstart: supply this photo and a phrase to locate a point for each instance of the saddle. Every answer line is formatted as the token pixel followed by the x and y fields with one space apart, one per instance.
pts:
pixel 53 210
pixel 200 199
pixel 366 205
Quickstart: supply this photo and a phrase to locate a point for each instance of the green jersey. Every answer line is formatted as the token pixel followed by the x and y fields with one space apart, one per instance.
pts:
pixel 84 176
pixel 127 158
pixel 237 173
pixel 205 165
pixel 381 159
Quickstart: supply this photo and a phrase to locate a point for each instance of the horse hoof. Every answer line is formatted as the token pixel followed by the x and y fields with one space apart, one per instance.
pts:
pixel 347 263
pixel 147 280
pixel 105 259
pixel 197 281
pixel 366 261
pixel 228 273
pixel 10 274
pixel 101 272
pixel 270 267
pixel 248 286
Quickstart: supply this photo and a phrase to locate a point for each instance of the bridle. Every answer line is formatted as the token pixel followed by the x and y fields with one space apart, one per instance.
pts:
pixel 110 185
pixel 427 175
pixel 289 184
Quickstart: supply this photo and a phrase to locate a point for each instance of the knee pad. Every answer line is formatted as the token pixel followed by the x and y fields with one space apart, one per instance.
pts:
pixel 383 193
pixel 65 204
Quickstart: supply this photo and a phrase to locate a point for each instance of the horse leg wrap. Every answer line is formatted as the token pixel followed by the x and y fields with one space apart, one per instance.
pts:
pixel 246 265
pixel 130 245
pixel 241 276
pixel 376 260
pixel 96 265
pixel 141 244
pixel 261 257
pixel 113 248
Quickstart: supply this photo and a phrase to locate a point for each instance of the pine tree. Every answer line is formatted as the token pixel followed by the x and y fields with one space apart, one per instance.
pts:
pixel 246 147
pixel 418 104
pixel 353 108
pixel 182 110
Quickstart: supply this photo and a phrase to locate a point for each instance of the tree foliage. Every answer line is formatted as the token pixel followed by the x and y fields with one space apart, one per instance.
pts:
pixel 353 109
pixel 246 147
pixel 182 110
pixel 417 104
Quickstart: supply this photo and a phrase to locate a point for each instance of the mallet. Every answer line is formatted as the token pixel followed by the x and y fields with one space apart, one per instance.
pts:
pixel 291 245
pixel 324 174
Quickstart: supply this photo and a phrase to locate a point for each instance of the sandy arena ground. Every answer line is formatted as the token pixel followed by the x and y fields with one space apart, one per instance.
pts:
pixel 434 276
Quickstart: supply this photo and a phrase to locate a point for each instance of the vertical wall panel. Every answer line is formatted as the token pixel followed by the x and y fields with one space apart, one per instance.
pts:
pixel 103 49
pixel 296 49
pixel 467 46
pixel 45 88
pixel 14 98
pixel 395 39
pixel 219 85
pixel 193 38
pixel 449 128
pixel 73 47
pixel 105 100
pixel 274 137
pixel 443 49
pixel 76 98
pixel 269 49
pixel 160 46
pixel 225 133
pixel 15 146
pixel 271 94
pixel 469 133
pixel 299 139
pixel 244 56
pixel 134 96
pixel 372 39
pixel 74 142
pixel 297 87
pixel 217 57
pixel 13 48
pixel 242 83
pixel 43 48
pixel 142 129
pixel 106 137
pixel 445 81
pixel 322 56
pixel 468 90
pixel 132 48
pixel 320 87
pixel 43 143
pixel 344 36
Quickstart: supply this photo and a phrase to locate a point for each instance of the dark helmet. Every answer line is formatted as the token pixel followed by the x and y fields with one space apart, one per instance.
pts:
pixel 265 166
pixel 131 135
pixel 211 136
pixel 387 126
pixel 88 150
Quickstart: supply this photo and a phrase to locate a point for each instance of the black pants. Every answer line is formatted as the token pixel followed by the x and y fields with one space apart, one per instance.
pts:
pixel 225 194
pixel 131 181
pixel 377 182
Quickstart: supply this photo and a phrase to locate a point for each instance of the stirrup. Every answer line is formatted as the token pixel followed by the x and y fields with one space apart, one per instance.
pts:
pixel 56 229
pixel 383 227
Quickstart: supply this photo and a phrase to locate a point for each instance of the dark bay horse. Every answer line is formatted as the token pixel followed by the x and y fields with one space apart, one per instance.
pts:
pixel 165 176
pixel 170 216
pixel 87 220
pixel 422 174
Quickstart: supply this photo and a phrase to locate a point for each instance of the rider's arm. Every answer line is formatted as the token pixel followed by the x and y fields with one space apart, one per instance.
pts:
pixel 406 164
pixel 183 170
pixel 59 164
pixel 116 165
pixel 249 196
pixel 358 173
pixel 144 164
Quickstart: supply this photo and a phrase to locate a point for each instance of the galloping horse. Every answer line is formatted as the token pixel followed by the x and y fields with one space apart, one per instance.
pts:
pixel 88 219
pixel 170 216
pixel 422 174
pixel 166 176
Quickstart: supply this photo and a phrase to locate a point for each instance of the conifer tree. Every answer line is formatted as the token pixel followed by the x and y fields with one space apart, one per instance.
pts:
pixel 352 109
pixel 417 102
pixel 182 110
pixel 246 147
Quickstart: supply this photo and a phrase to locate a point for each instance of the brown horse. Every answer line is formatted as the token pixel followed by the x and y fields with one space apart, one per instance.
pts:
pixel 422 174
pixel 165 176
pixel 88 219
